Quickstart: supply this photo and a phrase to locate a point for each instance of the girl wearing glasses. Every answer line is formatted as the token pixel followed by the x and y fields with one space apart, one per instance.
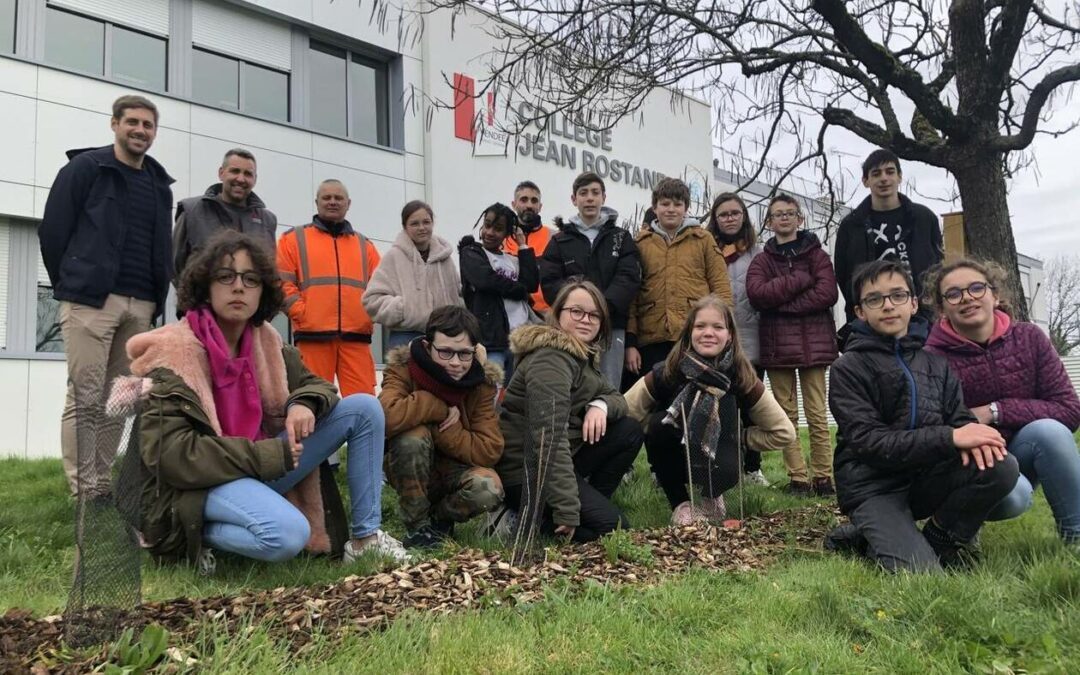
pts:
pixel 568 439
pixel 235 428
pixel 729 222
pixel 1013 380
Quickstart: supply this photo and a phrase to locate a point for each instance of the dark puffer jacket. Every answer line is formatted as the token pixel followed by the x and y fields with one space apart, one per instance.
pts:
pixel 1018 368
pixel 484 289
pixel 795 295
pixel 895 407
pixel 611 262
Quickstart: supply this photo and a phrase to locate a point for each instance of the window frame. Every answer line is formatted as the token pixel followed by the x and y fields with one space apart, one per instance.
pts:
pixel 14 28
pixel 241 90
pixel 107 47
pixel 383 82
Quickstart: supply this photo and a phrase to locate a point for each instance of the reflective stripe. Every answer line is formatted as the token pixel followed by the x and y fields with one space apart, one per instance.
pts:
pixel 330 281
pixel 301 250
pixel 364 278
pixel 287 276
pixel 291 300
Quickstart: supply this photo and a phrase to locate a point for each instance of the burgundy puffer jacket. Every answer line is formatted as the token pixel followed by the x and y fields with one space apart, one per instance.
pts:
pixel 1018 368
pixel 795 295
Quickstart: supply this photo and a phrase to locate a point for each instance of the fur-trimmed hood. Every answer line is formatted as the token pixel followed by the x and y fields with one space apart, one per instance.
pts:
pixel 531 338
pixel 493 372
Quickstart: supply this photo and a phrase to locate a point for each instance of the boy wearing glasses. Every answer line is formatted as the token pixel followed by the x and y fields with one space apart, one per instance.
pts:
pixel 438 394
pixel 793 287
pixel 886 226
pixel 906 447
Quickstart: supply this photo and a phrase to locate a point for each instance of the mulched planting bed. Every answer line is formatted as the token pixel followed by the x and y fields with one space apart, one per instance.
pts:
pixel 468 579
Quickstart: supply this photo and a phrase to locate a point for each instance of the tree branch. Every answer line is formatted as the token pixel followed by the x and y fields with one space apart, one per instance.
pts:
pixel 1033 111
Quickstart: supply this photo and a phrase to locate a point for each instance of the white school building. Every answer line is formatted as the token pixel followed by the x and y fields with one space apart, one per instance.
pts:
pixel 316 89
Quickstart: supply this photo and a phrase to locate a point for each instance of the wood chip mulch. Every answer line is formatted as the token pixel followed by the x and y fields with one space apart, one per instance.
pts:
pixel 469 579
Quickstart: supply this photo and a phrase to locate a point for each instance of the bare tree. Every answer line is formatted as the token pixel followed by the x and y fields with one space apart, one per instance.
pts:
pixel 1062 284
pixel 964 85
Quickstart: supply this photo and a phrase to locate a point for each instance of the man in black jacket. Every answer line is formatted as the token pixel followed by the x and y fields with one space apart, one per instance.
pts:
pixel 906 447
pixel 593 246
pixel 886 226
pixel 230 204
pixel 105 240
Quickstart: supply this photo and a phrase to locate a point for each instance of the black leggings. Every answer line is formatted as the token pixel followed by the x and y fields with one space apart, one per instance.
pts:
pixel 599 469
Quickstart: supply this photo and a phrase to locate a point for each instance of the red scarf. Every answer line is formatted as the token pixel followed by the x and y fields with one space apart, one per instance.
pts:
pixel 429 377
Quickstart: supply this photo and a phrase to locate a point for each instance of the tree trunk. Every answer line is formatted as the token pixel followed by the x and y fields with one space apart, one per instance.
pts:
pixel 987 228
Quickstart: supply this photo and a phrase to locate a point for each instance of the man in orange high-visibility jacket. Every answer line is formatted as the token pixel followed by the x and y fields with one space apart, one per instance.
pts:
pixel 527 205
pixel 325 267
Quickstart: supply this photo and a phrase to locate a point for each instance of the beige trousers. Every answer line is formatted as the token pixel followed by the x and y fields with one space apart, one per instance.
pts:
pixel 95 341
pixel 812 382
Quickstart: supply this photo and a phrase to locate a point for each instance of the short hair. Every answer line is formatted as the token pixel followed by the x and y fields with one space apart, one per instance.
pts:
pixel 194 287
pixel 128 101
pixel 787 199
pixel 412 207
pixel 877 158
pixel 995 276
pixel 238 152
pixel 870 272
pixel 331 181
pixel 452 321
pixel 526 185
pixel 603 337
pixel 588 178
pixel 673 189
pixel 747 235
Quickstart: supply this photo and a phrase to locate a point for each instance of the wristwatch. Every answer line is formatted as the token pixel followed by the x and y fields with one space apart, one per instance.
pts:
pixel 993 413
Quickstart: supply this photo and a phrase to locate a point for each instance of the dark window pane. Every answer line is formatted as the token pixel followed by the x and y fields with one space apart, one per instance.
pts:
pixel 327 89
pixel 74 42
pixel 138 59
pixel 266 92
pixel 48 337
pixel 368 101
pixel 7 26
pixel 215 79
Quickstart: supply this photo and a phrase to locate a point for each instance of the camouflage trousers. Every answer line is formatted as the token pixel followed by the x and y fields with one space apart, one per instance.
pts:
pixel 432 486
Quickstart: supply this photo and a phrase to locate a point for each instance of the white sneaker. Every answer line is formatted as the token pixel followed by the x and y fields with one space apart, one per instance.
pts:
pixel 206 564
pixel 382 544
pixel 501 523
pixel 685 514
pixel 756 478
pixel 714 510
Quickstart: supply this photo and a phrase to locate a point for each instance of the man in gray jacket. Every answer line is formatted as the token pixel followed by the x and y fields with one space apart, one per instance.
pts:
pixel 228 204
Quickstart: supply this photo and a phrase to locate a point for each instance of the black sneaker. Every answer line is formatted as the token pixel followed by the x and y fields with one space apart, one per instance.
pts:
pixel 426 536
pixel 823 487
pixel 846 539
pixel 798 488
pixel 953 553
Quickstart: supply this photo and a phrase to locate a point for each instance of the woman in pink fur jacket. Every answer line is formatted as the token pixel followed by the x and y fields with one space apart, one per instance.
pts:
pixel 234 426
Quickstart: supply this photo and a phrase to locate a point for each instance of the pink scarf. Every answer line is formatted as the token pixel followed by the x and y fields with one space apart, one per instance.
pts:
pixel 1002 322
pixel 236 389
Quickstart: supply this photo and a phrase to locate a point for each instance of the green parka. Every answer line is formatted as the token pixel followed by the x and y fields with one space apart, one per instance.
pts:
pixel 555 379
pixel 180 441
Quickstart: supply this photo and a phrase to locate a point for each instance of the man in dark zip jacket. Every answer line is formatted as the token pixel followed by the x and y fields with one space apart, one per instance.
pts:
pixel 906 447
pixel 593 246
pixel 105 240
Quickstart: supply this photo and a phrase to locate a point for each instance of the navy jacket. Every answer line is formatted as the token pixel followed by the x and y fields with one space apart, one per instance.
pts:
pixel 82 232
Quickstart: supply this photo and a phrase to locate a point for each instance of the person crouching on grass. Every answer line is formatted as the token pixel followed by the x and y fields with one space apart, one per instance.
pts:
pixel 438 393
pixel 906 446
pixel 692 401
pixel 564 421
pixel 235 425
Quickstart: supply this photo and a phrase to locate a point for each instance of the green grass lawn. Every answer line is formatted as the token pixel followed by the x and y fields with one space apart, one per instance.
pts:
pixel 810 612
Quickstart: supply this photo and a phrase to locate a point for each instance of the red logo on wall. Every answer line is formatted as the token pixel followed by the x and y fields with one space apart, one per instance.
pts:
pixel 465 108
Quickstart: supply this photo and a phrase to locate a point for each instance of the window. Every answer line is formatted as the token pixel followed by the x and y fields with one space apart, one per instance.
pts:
pixel 360 109
pixel 226 82
pixel 7 26
pixel 81 43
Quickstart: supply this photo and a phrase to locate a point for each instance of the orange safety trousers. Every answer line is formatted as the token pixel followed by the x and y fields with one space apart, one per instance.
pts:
pixel 350 360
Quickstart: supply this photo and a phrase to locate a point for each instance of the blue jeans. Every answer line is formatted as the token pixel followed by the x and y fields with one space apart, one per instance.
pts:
pixel 1047 454
pixel 253 519
pixel 397 338
pixel 505 360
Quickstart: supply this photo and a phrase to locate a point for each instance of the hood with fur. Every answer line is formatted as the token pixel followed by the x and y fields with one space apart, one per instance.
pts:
pixel 533 337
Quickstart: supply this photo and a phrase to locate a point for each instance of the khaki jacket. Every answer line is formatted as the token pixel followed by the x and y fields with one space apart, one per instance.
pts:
pixel 674 275
pixel 475 440
pixel 180 441
pixel 555 379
